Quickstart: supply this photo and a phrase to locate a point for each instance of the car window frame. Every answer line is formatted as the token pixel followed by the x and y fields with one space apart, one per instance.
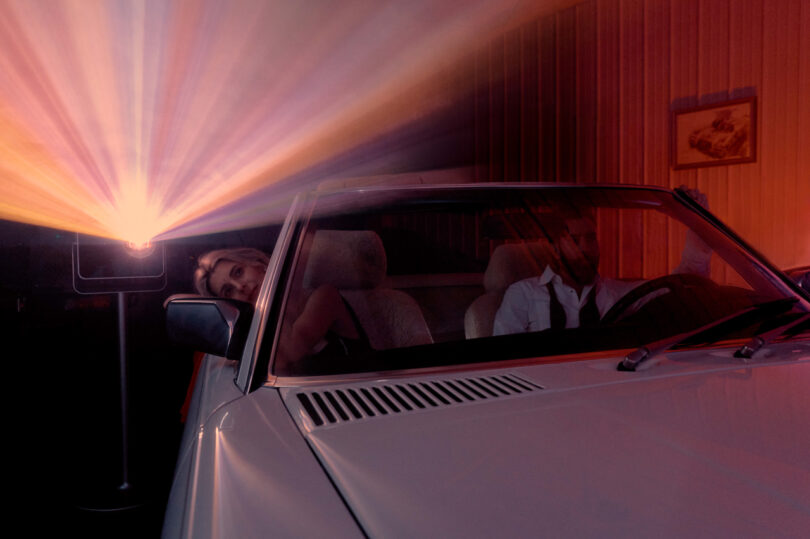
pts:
pixel 249 369
pixel 306 214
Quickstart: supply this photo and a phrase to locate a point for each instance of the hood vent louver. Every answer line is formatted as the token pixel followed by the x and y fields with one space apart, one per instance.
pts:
pixel 361 402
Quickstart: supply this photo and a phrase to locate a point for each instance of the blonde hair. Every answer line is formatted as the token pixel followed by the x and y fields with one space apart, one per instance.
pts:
pixel 208 261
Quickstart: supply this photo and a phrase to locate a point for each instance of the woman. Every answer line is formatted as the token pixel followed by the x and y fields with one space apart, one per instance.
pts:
pixel 231 273
pixel 323 320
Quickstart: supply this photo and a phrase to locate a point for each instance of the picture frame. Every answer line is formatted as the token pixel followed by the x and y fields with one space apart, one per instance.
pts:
pixel 717 134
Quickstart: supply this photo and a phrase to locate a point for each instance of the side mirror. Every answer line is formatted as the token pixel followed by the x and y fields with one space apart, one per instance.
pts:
pixel 211 325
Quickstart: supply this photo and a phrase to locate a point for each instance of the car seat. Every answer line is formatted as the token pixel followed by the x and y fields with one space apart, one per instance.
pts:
pixel 354 262
pixel 509 263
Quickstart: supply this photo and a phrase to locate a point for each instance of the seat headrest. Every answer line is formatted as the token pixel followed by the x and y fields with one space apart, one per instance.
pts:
pixel 345 259
pixel 513 262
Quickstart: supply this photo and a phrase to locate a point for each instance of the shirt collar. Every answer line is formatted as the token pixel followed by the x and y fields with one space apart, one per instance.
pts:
pixel 550 275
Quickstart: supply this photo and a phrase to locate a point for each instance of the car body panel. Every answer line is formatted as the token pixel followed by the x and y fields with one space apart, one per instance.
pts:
pixel 695 446
pixel 245 471
pixel 213 388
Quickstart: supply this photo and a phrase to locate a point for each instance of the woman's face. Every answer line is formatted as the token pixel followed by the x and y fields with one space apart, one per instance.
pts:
pixel 236 280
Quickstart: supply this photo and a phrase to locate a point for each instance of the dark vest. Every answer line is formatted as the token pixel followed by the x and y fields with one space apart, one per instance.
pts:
pixel 588 315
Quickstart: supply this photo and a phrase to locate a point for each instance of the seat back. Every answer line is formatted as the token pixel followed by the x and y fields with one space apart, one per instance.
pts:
pixel 509 263
pixel 354 262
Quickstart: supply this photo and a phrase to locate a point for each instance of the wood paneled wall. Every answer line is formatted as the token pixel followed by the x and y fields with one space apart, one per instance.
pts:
pixel 585 95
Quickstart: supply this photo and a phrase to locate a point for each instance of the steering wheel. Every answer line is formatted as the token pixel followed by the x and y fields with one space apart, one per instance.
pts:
pixel 675 283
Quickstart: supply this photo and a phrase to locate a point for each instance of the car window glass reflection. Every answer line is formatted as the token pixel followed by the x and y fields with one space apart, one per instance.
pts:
pixel 438 275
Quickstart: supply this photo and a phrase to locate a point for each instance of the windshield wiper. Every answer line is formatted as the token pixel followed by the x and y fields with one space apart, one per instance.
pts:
pixel 769 308
pixel 758 341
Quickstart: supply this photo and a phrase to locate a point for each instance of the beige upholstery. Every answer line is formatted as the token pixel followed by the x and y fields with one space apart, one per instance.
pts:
pixel 346 259
pixel 509 263
pixel 353 261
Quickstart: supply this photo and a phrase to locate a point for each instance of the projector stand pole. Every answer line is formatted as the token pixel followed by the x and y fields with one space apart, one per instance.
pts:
pixel 125 496
pixel 122 357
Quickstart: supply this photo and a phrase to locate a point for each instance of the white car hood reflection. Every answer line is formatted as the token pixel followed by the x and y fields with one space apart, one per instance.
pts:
pixel 703 446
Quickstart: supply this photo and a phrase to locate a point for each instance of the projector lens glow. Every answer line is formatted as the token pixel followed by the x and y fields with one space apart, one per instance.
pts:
pixel 140 250
pixel 139 246
pixel 142 120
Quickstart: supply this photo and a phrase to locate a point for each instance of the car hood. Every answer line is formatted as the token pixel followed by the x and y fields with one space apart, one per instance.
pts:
pixel 698 445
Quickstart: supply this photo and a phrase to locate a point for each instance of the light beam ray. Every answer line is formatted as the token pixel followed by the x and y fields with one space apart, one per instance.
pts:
pixel 143 120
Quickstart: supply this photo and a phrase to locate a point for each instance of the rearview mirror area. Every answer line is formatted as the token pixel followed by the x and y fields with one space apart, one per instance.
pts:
pixel 215 326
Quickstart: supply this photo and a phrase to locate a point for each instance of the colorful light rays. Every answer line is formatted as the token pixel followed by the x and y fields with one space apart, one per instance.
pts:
pixel 139 120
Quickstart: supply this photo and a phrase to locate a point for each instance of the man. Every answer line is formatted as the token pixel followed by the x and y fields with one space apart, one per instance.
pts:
pixel 570 293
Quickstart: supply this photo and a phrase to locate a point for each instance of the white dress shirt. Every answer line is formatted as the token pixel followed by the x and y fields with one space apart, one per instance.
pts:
pixel 526 305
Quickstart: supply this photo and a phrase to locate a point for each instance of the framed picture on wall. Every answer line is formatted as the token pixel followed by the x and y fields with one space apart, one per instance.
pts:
pixel 717 134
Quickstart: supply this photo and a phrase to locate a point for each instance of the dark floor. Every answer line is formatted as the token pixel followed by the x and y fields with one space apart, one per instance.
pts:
pixel 139 522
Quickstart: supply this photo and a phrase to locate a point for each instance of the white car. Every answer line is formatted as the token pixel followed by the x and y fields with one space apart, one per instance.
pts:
pixel 683 412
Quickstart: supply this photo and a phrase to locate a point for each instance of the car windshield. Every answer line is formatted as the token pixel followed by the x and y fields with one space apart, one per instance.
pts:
pixel 431 277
